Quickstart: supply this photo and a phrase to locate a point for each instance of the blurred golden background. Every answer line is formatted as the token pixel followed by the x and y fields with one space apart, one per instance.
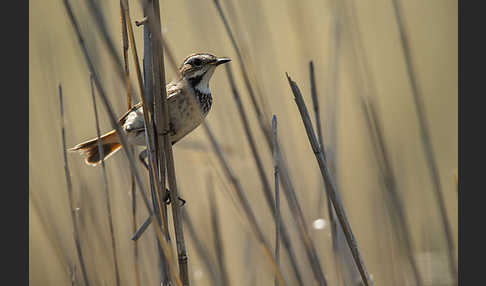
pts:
pixel 275 37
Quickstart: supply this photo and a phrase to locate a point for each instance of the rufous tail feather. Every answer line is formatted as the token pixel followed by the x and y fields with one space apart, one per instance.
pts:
pixel 109 142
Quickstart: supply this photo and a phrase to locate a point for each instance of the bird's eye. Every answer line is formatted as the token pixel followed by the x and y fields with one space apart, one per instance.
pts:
pixel 197 62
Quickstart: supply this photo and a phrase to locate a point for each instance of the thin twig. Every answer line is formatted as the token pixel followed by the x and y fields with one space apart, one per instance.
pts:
pixel 218 241
pixel 425 136
pixel 315 104
pixel 265 183
pixel 287 185
pixel 294 205
pixel 363 80
pixel 126 46
pixel 201 249
pixel 330 212
pixel 340 257
pixel 125 54
pixel 54 236
pixel 244 202
pixel 261 119
pixel 69 189
pixel 102 94
pixel 170 55
pixel 131 37
pixel 277 193
pixel 97 14
pixel 246 79
pixel 105 184
pixel 142 229
pixel 336 201
pixel 155 187
pixel 114 123
pixel 298 216
pixel 162 119
pixel 156 155
pixel 390 184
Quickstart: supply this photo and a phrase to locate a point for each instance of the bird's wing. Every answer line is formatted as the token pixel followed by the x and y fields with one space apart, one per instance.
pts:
pixel 172 91
pixel 124 116
pixel 176 93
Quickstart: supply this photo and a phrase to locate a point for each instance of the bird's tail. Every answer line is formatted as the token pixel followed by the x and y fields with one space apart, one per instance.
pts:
pixel 110 143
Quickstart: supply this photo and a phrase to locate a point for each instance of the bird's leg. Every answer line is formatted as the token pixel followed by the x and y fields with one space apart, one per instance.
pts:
pixel 142 157
pixel 167 198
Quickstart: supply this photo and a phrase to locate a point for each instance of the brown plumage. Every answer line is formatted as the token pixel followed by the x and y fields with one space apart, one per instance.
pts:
pixel 109 142
pixel 189 99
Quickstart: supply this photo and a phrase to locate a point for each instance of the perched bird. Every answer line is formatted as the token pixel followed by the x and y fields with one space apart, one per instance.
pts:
pixel 186 109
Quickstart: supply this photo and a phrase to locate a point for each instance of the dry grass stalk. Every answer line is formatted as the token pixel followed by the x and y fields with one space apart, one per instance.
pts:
pixel 330 212
pixel 131 38
pixel 218 241
pixel 363 79
pixel 125 42
pixel 244 202
pixel 160 209
pixel 425 136
pixel 267 192
pixel 52 234
pixel 95 11
pixel 336 201
pixel 98 16
pixel 105 187
pixel 123 139
pixel 69 189
pixel 125 47
pixel 388 177
pixel 155 155
pixel 277 193
pixel 162 120
pixel 332 109
pixel 298 216
pixel 244 71
pixel 266 131
pixel 201 249
pixel 170 55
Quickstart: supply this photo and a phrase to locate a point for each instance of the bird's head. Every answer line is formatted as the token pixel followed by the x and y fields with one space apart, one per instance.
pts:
pixel 197 69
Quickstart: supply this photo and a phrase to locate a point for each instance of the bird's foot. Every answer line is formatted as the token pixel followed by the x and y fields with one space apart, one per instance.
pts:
pixel 167 198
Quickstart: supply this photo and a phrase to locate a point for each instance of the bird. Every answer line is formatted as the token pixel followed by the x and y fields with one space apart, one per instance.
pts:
pixel 189 101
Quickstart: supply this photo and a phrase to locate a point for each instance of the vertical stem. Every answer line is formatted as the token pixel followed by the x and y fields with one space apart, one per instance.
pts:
pixel 157 172
pixel 132 149
pixel 277 193
pixel 116 126
pixel 388 178
pixel 105 184
pixel 218 241
pixel 425 137
pixel 201 249
pixel 125 54
pixel 336 200
pixel 267 192
pixel 332 218
pixel 243 200
pixel 162 120
pixel 244 72
pixel 76 236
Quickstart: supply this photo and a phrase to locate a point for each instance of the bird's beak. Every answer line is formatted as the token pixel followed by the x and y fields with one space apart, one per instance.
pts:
pixel 221 61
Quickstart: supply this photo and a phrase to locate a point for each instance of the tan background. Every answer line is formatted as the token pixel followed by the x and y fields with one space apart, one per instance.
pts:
pixel 276 37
